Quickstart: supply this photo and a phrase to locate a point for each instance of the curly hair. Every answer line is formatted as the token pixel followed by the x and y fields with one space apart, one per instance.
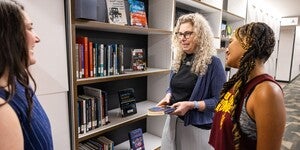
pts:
pixel 14 51
pixel 203 39
pixel 258 40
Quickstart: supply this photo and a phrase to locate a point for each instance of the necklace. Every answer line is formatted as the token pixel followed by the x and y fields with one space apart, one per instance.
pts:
pixel 188 63
pixel 188 60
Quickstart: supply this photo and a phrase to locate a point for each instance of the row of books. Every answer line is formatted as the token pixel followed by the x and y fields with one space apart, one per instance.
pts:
pixel 92 109
pixel 122 12
pixel 99 143
pixel 98 60
pixel 136 142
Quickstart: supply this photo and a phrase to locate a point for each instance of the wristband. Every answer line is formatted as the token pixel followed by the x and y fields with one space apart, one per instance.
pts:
pixel 196 105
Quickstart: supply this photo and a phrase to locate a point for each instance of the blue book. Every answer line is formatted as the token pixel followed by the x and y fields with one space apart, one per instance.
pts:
pixel 136 139
pixel 158 111
pixel 86 9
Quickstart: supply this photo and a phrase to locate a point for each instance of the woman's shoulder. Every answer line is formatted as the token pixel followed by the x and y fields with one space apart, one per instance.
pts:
pixel 11 133
pixel 268 88
pixel 215 60
pixel 267 93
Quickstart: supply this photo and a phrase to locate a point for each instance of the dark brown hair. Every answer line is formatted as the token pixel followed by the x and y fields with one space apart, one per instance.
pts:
pixel 258 40
pixel 14 50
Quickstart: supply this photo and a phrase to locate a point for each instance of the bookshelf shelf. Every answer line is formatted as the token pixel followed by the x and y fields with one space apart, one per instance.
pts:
pixel 231 17
pixel 118 121
pixel 196 6
pixel 102 26
pixel 127 75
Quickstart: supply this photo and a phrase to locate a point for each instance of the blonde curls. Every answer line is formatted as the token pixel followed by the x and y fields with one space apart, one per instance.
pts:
pixel 204 43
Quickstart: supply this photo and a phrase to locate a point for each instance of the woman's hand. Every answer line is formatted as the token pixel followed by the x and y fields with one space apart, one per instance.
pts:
pixel 182 107
pixel 165 101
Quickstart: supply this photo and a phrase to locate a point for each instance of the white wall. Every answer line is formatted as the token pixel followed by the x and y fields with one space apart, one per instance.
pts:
pixel 259 13
pixel 296 54
pixel 285 51
pixel 50 71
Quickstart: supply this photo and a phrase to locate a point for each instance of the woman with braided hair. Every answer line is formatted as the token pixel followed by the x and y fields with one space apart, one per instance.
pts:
pixel 251 112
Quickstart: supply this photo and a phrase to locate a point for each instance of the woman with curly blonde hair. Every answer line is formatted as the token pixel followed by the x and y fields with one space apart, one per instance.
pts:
pixel 196 80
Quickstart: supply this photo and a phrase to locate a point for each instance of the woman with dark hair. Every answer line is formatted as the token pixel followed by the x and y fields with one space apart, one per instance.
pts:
pixel 251 112
pixel 196 79
pixel 23 122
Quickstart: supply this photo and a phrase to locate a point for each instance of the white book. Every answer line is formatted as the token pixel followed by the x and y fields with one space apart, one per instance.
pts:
pixel 116 12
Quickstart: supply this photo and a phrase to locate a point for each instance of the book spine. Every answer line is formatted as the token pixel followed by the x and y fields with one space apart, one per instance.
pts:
pixel 88 114
pixel 81 61
pixel 79 117
pixel 77 60
pixel 115 59
pixel 86 58
pixel 91 61
pixel 99 109
pixel 93 113
pixel 102 60
pixel 105 106
pixel 96 64
pixel 84 42
pixel 121 59
pixel 83 114
pixel 105 71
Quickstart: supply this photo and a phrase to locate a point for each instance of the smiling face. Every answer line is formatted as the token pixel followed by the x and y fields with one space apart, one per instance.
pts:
pixel 234 53
pixel 31 38
pixel 186 37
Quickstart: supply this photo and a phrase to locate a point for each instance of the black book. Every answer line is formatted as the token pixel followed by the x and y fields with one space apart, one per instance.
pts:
pixel 127 102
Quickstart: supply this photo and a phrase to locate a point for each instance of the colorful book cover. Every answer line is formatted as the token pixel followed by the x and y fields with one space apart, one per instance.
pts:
pixel 137 13
pixel 138 60
pixel 136 139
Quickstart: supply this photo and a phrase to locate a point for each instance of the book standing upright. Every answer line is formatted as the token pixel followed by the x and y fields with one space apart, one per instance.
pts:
pixel 137 13
pixel 136 139
pixel 116 12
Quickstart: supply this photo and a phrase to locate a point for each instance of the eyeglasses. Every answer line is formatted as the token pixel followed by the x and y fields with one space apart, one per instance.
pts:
pixel 186 34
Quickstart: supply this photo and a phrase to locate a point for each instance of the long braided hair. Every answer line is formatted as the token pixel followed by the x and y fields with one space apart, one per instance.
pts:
pixel 258 40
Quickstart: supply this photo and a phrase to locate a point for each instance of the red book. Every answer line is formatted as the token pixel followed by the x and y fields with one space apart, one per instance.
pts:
pixel 84 41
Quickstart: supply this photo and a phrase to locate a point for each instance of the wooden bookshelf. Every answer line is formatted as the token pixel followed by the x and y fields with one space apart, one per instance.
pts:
pixel 155 40
pixel 161 16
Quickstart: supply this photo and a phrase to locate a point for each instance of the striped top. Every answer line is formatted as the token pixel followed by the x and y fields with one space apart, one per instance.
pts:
pixel 37 135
